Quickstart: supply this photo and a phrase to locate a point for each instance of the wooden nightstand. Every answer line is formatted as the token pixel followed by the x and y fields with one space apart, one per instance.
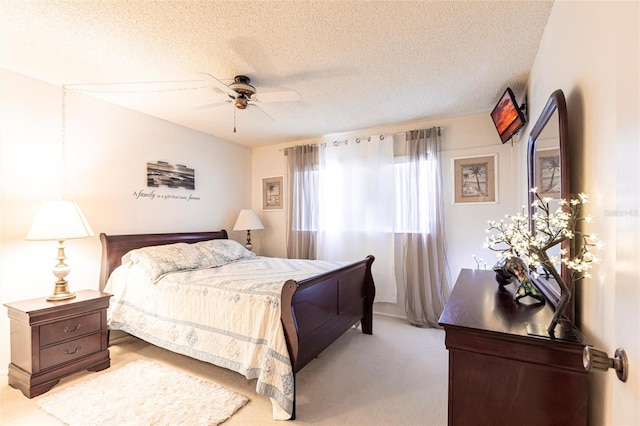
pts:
pixel 50 340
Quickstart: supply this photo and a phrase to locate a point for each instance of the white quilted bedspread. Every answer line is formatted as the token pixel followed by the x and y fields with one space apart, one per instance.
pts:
pixel 228 316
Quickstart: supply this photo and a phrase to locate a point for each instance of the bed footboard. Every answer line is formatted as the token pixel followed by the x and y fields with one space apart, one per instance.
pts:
pixel 318 310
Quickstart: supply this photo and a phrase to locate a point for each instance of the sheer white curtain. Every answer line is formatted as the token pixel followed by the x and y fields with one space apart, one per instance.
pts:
pixel 420 222
pixel 355 216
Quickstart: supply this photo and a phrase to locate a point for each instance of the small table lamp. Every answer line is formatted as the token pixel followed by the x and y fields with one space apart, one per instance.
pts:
pixel 60 220
pixel 248 219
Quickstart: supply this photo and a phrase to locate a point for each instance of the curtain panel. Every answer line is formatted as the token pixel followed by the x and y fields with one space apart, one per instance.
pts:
pixel 302 190
pixel 422 243
pixel 356 207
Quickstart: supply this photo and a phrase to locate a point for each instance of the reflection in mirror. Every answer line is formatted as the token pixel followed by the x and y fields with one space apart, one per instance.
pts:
pixel 547 162
pixel 548 171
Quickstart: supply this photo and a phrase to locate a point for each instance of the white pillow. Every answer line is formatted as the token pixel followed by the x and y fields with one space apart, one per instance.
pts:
pixel 221 252
pixel 161 260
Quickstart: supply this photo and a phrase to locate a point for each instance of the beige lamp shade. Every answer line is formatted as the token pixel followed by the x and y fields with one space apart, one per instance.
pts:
pixel 247 220
pixel 59 220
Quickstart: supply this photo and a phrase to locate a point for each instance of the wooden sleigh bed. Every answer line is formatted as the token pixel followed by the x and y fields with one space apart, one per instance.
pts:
pixel 314 311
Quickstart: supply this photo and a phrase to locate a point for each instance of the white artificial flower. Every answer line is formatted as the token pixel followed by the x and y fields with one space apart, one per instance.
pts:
pixel 514 238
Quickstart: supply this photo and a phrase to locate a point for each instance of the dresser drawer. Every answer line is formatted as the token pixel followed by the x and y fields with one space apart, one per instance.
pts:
pixel 68 351
pixel 70 328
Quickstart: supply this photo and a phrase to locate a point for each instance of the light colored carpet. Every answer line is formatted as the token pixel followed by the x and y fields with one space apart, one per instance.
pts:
pixel 398 376
pixel 143 393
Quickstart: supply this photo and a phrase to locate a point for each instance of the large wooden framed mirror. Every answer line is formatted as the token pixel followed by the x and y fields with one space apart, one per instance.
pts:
pixel 548 170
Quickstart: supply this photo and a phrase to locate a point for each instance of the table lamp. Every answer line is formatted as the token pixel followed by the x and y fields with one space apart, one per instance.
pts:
pixel 60 220
pixel 248 219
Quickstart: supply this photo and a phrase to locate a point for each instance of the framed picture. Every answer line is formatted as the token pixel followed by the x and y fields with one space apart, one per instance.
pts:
pixel 475 179
pixel 548 172
pixel 272 193
pixel 171 175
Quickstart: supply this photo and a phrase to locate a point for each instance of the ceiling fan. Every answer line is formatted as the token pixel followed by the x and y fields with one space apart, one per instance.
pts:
pixel 243 94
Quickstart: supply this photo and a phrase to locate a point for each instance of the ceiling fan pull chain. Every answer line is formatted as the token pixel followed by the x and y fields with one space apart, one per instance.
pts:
pixel 234 120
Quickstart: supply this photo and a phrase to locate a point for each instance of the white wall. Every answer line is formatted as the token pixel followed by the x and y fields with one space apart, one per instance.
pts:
pixel 469 135
pixel 107 148
pixel 591 50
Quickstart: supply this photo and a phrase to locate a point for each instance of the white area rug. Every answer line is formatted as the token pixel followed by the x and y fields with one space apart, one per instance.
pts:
pixel 143 393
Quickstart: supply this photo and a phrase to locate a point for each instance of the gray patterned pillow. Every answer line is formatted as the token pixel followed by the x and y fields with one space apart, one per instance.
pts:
pixel 160 260
pixel 221 252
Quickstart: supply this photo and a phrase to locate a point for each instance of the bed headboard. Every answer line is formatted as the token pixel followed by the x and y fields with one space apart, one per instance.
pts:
pixel 116 246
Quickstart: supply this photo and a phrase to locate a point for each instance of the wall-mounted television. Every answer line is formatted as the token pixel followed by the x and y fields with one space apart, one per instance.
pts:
pixel 507 116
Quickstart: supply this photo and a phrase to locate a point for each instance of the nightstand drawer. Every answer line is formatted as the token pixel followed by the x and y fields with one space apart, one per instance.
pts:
pixel 70 328
pixel 68 351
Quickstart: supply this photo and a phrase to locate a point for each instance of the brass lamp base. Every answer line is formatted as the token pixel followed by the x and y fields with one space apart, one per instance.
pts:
pixel 62 296
pixel 61 270
pixel 61 292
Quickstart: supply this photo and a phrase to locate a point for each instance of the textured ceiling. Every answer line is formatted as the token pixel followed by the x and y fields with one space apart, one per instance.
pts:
pixel 355 64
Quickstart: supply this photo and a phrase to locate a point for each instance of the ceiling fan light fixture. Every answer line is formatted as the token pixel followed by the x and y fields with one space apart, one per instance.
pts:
pixel 241 102
pixel 241 85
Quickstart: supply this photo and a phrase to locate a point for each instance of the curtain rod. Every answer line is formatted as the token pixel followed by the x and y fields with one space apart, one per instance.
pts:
pixel 358 140
pixel 417 130
pixel 334 143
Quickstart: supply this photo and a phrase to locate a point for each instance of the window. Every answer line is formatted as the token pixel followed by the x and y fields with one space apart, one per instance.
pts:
pixel 411 207
pixel 306 212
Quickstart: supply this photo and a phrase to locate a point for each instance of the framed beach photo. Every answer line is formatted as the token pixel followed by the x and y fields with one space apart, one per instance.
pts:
pixel 475 179
pixel 170 175
pixel 548 172
pixel 272 193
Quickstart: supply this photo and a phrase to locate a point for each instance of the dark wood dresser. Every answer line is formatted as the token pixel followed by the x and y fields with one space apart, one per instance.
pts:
pixel 50 340
pixel 499 374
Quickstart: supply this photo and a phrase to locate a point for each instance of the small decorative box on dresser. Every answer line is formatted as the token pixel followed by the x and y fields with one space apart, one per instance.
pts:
pixel 50 340
pixel 499 374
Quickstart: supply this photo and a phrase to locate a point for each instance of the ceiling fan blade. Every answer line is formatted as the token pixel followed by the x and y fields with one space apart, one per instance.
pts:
pixel 287 96
pixel 263 111
pixel 218 84
pixel 206 106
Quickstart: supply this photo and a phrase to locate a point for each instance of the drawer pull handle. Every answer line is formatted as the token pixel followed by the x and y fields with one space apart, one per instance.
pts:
pixel 67 352
pixel 68 330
